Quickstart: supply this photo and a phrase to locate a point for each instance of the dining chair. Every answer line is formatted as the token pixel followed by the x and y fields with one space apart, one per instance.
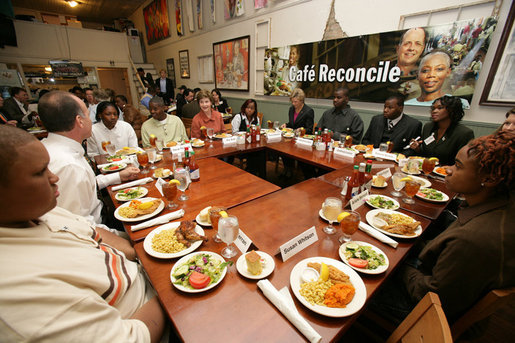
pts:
pixel 425 323
pixel 485 307
pixel 187 125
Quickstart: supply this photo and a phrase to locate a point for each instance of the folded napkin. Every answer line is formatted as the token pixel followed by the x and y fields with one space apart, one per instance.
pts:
pixel 159 220
pixel 377 235
pixel 132 183
pixel 288 309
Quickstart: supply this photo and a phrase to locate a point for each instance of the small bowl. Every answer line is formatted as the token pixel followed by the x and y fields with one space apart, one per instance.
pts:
pixel 309 275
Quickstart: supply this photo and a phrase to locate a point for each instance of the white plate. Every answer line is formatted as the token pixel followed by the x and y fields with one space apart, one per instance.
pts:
pixel 437 173
pixel 119 164
pixel 354 306
pixel 421 196
pixel 137 219
pixel 185 259
pixel 268 268
pixel 198 145
pixel 147 243
pixel 199 221
pixel 378 270
pixel 423 182
pixel 405 170
pixel 227 135
pixel 361 151
pixel 144 189
pixel 385 183
pixel 372 213
pixel 163 177
pixel 395 202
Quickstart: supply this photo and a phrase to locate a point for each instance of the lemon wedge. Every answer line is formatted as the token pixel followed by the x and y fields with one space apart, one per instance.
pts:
pixel 145 205
pixel 152 135
pixel 126 148
pixel 223 214
pixel 347 137
pixel 202 127
pixel 324 272
pixel 406 179
pixel 434 159
pixel 174 181
pixel 342 216
pixel 388 142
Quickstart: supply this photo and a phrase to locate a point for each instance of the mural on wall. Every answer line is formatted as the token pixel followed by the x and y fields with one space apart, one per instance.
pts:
pixel 178 17
pixel 156 21
pixel 231 61
pixel 421 63
pixel 260 4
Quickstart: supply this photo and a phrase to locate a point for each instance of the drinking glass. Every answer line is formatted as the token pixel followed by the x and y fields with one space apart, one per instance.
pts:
pixel 210 133
pixel 104 144
pixel 143 161
pixel 111 149
pixel 214 216
pixel 411 188
pixel 428 166
pixel 203 132
pixel 349 226
pixel 390 147
pixel 170 192
pixel 160 145
pixel 152 156
pixel 383 147
pixel 276 125
pixel 182 175
pixel 348 141
pixel 397 184
pixel 228 229
pixel 152 140
pixel 331 208
pixel 270 124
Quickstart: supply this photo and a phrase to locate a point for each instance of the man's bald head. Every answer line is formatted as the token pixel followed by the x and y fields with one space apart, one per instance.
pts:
pixel 11 138
pixel 58 111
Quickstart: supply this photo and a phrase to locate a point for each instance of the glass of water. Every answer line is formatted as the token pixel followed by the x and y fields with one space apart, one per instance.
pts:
pixel 228 230
pixel 397 184
pixel 160 145
pixel 111 149
pixel 182 175
pixel 276 125
pixel 152 156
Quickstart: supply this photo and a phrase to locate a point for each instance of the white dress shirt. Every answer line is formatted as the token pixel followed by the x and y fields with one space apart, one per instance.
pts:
pixel 162 85
pixel 93 113
pixel 236 122
pixel 77 182
pixel 121 135
pixel 25 120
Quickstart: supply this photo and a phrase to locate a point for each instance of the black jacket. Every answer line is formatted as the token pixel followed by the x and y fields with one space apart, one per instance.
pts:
pixel 305 119
pixel 401 134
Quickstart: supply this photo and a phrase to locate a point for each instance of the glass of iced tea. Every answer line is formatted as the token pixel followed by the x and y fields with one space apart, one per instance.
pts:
pixel 411 188
pixel 203 132
pixel 143 161
pixel 214 216
pixel 105 144
pixel 302 131
pixel 170 192
pixel 348 141
pixel 349 225
pixel 389 149
pixel 152 140
pixel 331 208
pixel 270 124
pixel 428 165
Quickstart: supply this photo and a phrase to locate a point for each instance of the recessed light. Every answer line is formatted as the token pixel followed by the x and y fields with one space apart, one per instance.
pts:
pixel 72 3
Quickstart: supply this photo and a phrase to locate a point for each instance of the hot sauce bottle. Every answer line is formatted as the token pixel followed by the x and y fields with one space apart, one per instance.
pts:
pixel 353 186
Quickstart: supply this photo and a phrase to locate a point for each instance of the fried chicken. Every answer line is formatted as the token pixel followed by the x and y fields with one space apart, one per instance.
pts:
pixel 186 234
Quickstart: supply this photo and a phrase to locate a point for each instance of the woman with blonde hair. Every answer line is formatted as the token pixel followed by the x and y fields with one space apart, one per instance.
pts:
pixel 207 116
pixel 300 114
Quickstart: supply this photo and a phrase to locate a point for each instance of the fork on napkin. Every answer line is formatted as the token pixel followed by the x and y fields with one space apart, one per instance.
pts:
pixel 159 220
pixel 378 235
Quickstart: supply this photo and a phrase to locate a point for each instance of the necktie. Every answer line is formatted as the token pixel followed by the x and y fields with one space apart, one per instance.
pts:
pixel 390 124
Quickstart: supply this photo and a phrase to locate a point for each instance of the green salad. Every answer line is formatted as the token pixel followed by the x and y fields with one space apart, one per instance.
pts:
pixel 130 193
pixel 430 193
pixel 380 202
pixel 365 253
pixel 201 263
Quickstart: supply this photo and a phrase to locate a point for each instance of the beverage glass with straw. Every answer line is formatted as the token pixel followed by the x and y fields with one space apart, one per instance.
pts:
pixel 182 175
pixel 331 208
pixel 152 156
pixel 143 161
pixel 398 184
pixel 349 223
pixel 170 192
pixel 411 188
pixel 228 230
pixel 214 216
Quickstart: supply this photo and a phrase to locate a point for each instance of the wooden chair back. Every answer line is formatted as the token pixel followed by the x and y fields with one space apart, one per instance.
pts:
pixel 485 307
pixel 260 117
pixel 187 125
pixel 426 323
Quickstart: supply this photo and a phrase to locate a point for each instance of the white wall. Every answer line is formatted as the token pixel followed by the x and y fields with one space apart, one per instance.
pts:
pixel 303 21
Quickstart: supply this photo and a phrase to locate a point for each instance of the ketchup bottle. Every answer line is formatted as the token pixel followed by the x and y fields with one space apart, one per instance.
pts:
pixel 368 175
pixel 353 186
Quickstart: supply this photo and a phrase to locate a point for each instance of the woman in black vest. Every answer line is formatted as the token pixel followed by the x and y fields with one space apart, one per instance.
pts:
pixel 246 117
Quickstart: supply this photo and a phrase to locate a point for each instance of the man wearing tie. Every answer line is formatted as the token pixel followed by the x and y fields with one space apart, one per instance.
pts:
pixel 392 125
pixel 165 87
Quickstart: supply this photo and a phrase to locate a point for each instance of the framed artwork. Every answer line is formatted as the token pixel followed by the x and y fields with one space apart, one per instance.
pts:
pixel 184 62
pixel 170 69
pixel 231 63
pixel 500 85
pixel 156 21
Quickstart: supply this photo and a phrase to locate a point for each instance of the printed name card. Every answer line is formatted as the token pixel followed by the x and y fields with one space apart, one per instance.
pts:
pixel 386 173
pixel 344 152
pixel 188 145
pixel 159 185
pixel 243 242
pixel 384 155
pixel 230 140
pixel 298 243
pixel 304 142
pixel 273 137
pixel 177 150
pixel 358 200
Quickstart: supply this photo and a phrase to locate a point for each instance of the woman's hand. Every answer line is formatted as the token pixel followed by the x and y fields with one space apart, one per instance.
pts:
pixel 415 145
pixel 283 126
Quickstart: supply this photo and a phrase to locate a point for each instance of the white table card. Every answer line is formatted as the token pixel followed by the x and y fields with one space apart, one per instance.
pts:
pixel 243 242
pixel 176 150
pixel 384 155
pixel 297 244
pixel 358 200
pixel 386 173
pixel 230 140
pixel 344 152
pixel 159 185
pixel 273 137
pixel 304 142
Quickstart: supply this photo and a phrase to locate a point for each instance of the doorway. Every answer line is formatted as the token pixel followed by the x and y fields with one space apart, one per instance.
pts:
pixel 116 79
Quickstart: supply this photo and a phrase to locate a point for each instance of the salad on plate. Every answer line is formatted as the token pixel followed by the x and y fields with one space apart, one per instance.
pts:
pixel 363 256
pixel 199 271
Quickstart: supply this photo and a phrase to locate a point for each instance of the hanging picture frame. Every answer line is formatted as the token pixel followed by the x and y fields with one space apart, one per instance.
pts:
pixel 231 64
pixel 184 63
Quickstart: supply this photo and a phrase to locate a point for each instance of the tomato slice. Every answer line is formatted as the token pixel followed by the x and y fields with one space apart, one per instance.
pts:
pixel 357 262
pixel 113 168
pixel 199 280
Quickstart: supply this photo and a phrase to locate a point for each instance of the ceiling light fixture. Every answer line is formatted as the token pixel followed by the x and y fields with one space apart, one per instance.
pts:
pixel 72 3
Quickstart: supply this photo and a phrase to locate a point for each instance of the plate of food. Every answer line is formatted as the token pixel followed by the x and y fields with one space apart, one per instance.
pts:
pixel 431 194
pixel 112 167
pixel 198 272
pixel 203 217
pixel 287 134
pixel 364 257
pixel 360 147
pixel 116 158
pixel 131 193
pixel 162 173
pixel 412 170
pixel 379 181
pixel 255 265
pixel 382 202
pixel 339 292
pixel 423 182
pixel 174 239
pixel 309 137
pixel 393 223
pixel 197 143
pixel 139 209
pixel 127 151
pixel 170 144
pixel 441 171
pixel 265 131
pixel 222 135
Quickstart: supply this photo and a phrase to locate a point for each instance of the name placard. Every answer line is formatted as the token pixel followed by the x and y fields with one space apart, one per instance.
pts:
pixel 358 200
pixel 344 152
pixel 230 140
pixel 384 155
pixel 299 243
pixel 273 137
pixel 243 242
pixel 386 173
pixel 159 185
pixel 304 142
pixel 177 150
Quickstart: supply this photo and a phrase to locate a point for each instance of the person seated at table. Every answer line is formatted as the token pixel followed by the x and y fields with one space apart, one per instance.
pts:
pixel 149 94
pixel 100 95
pixel 187 97
pixel 3 118
pixel 110 129
pixel 164 126
pixel 341 119
pixel 246 117
pixel 509 123
pixel 17 108
pixel 393 125
pixel 62 279
pixel 67 120
pixel 219 103
pixel 89 97
pixel 299 114
pixel 131 114
pixel 191 109
pixel 207 116
pixel 443 136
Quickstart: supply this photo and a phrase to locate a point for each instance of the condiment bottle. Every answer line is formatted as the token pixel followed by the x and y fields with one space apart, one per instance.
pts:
pixel 258 133
pixel 253 134
pixel 186 158
pixel 362 167
pixel 353 186
pixel 194 168
pixel 368 175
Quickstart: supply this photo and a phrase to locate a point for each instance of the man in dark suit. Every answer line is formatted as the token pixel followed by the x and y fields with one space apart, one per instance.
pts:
pixel 146 79
pixel 165 87
pixel 183 100
pixel 16 108
pixel 393 125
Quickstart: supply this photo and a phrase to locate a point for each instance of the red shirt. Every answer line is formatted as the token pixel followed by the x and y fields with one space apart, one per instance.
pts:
pixel 201 119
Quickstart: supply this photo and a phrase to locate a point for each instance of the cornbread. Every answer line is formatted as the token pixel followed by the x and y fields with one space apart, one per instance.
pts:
pixel 254 263
pixel 204 215
pixel 379 181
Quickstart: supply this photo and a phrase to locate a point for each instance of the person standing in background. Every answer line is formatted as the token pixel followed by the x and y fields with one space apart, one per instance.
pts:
pixel 165 87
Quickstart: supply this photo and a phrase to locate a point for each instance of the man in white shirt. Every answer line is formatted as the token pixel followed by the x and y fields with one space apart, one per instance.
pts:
pixel 66 118
pixel 16 107
pixel 109 128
